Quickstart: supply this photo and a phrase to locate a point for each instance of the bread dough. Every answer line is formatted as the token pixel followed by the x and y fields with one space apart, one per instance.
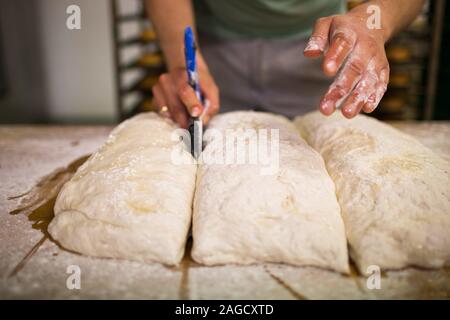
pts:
pixel 394 192
pixel 291 216
pixel 129 200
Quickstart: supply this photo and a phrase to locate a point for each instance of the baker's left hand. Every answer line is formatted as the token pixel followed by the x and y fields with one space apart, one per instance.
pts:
pixel 358 54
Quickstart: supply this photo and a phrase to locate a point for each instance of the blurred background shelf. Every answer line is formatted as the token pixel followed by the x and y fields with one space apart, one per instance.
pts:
pixel 138 59
pixel 103 73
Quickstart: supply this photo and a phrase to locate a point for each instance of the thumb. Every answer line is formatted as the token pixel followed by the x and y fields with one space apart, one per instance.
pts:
pixel 318 41
pixel 189 98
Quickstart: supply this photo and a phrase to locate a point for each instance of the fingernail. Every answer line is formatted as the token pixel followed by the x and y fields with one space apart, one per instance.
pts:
pixel 327 106
pixel 312 46
pixel 331 65
pixel 372 107
pixel 195 111
pixel 348 110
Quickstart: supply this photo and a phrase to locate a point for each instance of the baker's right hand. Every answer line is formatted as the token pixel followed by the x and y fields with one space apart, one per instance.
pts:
pixel 173 93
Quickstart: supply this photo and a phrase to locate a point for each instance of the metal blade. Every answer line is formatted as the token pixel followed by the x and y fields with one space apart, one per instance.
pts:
pixel 196 131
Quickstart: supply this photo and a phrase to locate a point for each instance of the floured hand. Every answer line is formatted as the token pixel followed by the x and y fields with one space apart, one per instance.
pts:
pixel 357 55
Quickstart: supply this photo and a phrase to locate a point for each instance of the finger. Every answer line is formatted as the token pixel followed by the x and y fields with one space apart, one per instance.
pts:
pixel 369 106
pixel 341 45
pixel 206 118
pixel 363 93
pixel 211 111
pixel 349 76
pixel 189 98
pixel 158 99
pixel 177 109
pixel 211 94
pixel 179 113
pixel 353 105
pixel 319 38
pixel 381 88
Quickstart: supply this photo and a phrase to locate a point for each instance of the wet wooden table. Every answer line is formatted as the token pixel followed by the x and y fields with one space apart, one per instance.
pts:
pixel 32 266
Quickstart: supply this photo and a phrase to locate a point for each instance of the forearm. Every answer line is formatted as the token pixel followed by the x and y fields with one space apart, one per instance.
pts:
pixel 170 18
pixel 395 14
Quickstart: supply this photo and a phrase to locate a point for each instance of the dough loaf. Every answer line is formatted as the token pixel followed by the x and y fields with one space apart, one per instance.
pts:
pixel 129 200
pixel 394 193
pixel 291 216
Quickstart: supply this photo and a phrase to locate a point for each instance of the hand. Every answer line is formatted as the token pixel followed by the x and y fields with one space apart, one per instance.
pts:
pixel 173 91
pixel 358 53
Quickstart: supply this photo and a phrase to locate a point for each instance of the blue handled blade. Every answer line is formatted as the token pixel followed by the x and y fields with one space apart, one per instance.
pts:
pixel 196 127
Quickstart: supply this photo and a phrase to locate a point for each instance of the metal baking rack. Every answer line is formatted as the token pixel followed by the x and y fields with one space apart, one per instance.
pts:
pixel 138 59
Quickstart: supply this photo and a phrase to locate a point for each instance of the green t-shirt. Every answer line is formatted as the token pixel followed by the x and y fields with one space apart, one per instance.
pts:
pixel 262 18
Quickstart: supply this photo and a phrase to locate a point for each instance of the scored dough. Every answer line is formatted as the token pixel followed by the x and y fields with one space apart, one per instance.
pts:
pixel 291 216
pixel 129 200
pixel 394 192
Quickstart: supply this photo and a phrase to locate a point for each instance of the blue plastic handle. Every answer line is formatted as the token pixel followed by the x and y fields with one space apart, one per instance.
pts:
pixel 191 62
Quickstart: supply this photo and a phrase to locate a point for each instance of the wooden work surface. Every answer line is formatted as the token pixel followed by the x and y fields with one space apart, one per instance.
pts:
pixel 32 266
